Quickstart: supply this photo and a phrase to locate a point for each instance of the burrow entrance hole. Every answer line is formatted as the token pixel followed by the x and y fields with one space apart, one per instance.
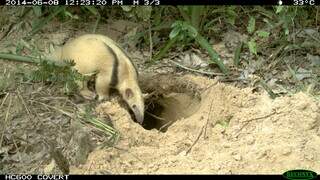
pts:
pixel 164 106
pixel 162 110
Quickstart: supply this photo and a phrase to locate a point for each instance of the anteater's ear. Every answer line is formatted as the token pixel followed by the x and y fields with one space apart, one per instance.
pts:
pixel 129 93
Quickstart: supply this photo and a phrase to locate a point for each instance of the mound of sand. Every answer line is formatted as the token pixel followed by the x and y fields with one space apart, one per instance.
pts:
pixel 228 131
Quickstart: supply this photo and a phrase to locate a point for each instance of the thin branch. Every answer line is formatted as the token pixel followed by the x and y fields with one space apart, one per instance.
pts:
pixel 4 100
pixel 194 142
pixel 254 119
pixel 165 125
pixel 150 41
pixel 206 125
pixel 198 71
pixel 156 117
pixel 5 120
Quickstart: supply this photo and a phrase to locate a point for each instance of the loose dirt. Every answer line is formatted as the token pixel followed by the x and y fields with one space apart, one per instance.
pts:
pixel 227 131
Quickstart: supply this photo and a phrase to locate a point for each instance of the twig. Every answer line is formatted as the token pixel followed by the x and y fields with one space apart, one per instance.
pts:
pixel 156 117
pixel 16 146
pixel 209 87
pixel 317 17
pixel 55 108
pixel 314 38
pixel 5 121
pixel 88 170
pixel 24 104
pixel 149 95
pixel 6 33
pixel 206 125
pixel 198 71
pixel 21 139
pixel 59 98
pixel 165 125
pixel 96 23
pixel 231 80
pixel 254 119
pixel 268 89
pixel 194 142
pixel 258 118
pixel 273 56
pixel 4 100
pixel 98 125
pixel 150 41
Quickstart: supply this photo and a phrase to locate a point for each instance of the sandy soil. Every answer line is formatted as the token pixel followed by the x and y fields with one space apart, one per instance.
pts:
pixel 232 131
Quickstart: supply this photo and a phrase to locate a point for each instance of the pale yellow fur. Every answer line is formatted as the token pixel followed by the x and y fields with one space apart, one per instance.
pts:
pixel 91 56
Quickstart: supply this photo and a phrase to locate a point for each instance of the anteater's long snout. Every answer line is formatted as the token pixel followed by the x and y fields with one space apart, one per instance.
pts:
pixel 138 113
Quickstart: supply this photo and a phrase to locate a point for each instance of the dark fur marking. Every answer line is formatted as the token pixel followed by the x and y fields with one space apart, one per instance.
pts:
pixel 114 77
pixel 125 53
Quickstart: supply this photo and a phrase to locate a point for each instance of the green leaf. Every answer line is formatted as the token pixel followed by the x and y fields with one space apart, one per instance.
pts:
pixel 236 60
pixel 286 31
pixel 174 33
pixel 231 20
pixel 252 46
pixel 223 123
pixel 231 15
pixel 37 10
pixel 68 14
pixel 279 9
pixel 144 12
pixel 126 8
pixel 251 25
pixel 192 31
pixel 92 9
pixel 214 57
pixel 263 34
pixel 176 24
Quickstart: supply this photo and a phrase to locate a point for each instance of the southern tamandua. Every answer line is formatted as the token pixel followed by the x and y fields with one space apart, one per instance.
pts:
pixel 100 55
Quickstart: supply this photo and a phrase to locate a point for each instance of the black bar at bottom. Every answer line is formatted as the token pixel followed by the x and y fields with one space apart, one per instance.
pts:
pixel 71 177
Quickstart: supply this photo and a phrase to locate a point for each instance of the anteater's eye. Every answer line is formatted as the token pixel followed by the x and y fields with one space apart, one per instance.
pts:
pixel 129 93
pixel 134 106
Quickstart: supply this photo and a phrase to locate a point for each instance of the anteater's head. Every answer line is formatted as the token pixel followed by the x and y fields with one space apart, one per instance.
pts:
pixel 134 99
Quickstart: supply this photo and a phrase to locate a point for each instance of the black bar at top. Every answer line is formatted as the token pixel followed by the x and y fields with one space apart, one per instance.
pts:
pixel 160 2
pixel 222 2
